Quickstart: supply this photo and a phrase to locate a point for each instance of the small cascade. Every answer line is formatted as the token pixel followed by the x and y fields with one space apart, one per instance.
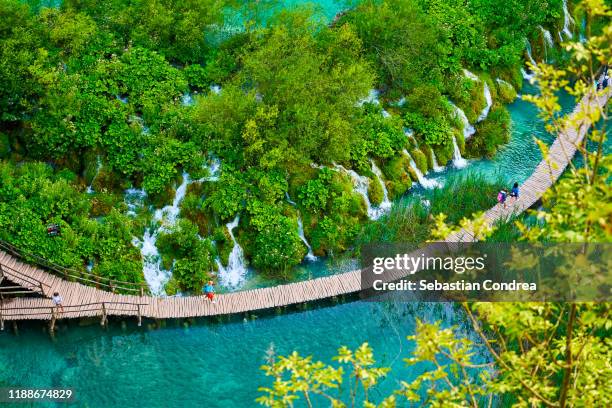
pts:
pixel 458 161
pixel 386 204
pixel 216 89
pixel 289 200
pixel 187 99
pixel 582 30
pixel 527 75
pixel 468 129
pixel 134 199
pixel 485 111
pixel 232 275
pixel 436 167
pixel 169 213
pixel 213 169
pixel 155 275
pixel 423 181
pixel 310 256
pixel 371 98
pixel 385 114
pixel 362 184
pixel 122 99
pixel 529 56
pixel 470 75
pixel 547 39
pixel 89 188
pixel 487 108
pixel 567 21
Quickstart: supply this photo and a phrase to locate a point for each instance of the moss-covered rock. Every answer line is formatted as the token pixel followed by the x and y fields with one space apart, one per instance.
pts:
pixel 420 159
pixel 505 91
pixel 375 191
pixel 444 153
pixel 397 176
pixel 490 133
pixel 460 141
pixel 429 156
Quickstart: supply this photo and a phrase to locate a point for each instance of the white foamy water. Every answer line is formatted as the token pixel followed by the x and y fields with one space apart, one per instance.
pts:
pixel 216 89
pixel 165 218
pixel 528 76
pixel 386 204
pixel 567 21
pixel 547 37
pixel 468 129
pixel 187 99
pixel 361 184
pixel 423 181
pixel 134 199
pixel 234 274
pixel 371 98
pixel 529 56
pixel 89 188
pixel 310 256
pixel 436 167
pixel 458 161
pixel 487 108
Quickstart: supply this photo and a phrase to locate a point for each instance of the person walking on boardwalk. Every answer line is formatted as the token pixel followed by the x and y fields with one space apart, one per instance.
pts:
pixel 501 197
pixel 57 302
pixel 209 291
pixel 514 193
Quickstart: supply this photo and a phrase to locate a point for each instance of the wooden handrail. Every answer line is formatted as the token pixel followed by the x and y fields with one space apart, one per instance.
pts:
pixel 83 276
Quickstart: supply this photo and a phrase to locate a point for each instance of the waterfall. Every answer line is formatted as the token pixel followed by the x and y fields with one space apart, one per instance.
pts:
pixel 385 114
pixel 470 75
pixel 134 200
pixel 485 111
pixel 122 99
pixel 529 56
pixel 371 98
pixel 289 200
pixel 527 76
pixel 468 129
pixel 386 204
pixel 155 275
pixel 567 21
pixel 548 40
pixel 234 274
pixel 90 189
pixel 310 256
pixel 458 161
pixel 187 99
pixel 487 108
pixel 361 184
pixel 216 89
pixel 436 167
pixel 423 181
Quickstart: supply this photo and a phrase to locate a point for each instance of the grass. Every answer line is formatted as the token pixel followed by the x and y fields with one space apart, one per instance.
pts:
pixel 410 219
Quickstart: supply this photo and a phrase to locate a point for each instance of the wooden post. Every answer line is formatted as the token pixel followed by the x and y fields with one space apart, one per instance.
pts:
pixel 52 325
pixel 103 321
pixel 141 292
pixel 112 287
pixel 42 290
pixel 139 316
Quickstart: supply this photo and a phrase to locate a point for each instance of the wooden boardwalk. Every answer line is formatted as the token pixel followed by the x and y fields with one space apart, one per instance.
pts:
pixel 85 301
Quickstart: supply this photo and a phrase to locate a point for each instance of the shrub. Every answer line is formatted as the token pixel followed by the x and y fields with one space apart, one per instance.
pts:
pixel 420 159
pixel 491 133
pixel 505 91
pixel 375 191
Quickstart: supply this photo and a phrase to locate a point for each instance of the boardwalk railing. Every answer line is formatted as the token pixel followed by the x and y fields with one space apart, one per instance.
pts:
pixel 53 313
pixel 88 278
pixel 25 283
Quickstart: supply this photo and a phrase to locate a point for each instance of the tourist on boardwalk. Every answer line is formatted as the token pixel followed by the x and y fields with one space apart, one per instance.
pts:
pixel 57 301
pixel 209 291
pixel 515 192
pixel 501 197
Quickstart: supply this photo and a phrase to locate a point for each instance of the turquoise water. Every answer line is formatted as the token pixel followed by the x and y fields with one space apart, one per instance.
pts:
pixel 206 364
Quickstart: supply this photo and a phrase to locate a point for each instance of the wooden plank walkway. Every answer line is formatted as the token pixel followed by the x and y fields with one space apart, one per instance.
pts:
pixel 87 301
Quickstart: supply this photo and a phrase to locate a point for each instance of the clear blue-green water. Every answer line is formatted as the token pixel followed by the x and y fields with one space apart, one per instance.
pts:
pixel 206 364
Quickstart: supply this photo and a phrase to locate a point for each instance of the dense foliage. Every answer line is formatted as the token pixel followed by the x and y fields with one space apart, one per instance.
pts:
pixel 152 91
